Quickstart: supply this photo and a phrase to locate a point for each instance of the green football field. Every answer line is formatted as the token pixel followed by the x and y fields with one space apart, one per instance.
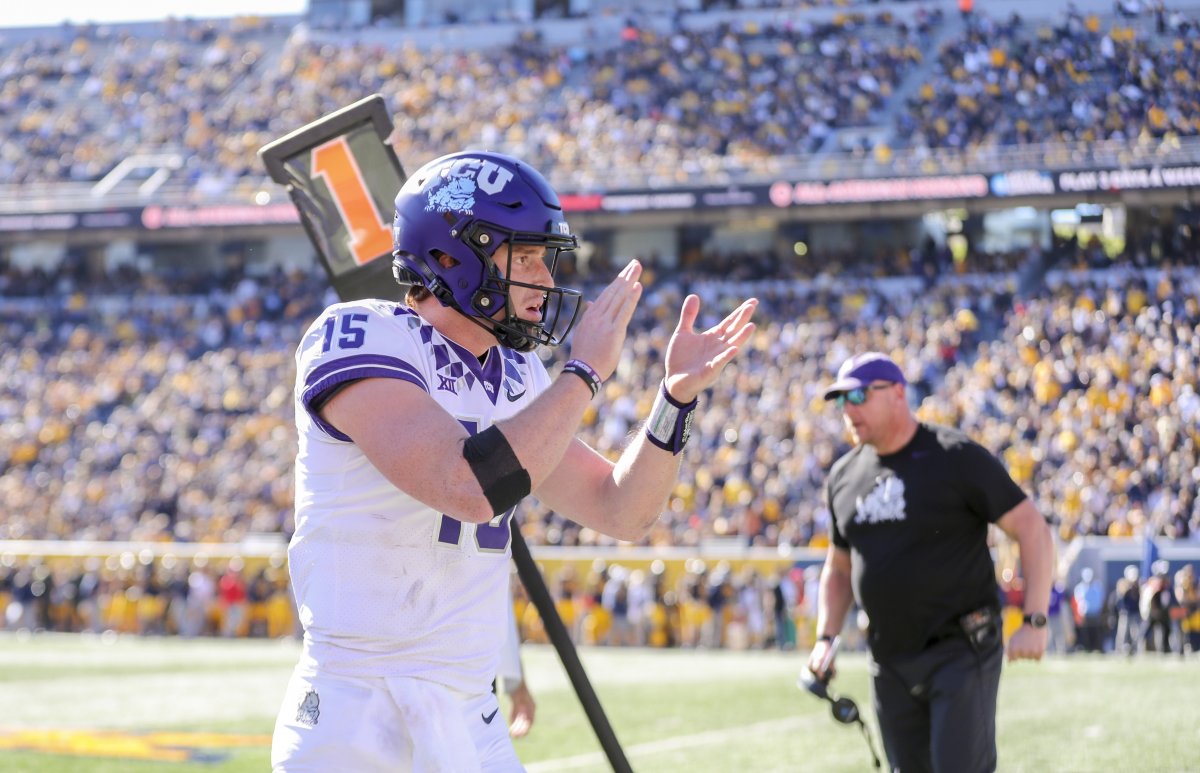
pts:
pixel 72 703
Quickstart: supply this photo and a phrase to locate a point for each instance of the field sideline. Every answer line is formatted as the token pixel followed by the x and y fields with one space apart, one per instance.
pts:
pixel 119 699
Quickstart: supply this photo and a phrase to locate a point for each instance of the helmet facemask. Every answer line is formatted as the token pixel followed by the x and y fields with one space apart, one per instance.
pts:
pixel 561 306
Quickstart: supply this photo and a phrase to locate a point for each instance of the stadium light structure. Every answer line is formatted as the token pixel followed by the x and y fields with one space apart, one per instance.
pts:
pixel 343 176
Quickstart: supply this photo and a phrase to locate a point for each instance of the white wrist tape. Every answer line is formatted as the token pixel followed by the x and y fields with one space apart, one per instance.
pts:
pixel 670 423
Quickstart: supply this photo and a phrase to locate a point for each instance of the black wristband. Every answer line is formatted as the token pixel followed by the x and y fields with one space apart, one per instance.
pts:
pixel 585 372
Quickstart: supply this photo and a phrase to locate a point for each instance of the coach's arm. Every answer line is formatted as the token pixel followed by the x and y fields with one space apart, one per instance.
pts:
pixel 833 602
pixel 1025 525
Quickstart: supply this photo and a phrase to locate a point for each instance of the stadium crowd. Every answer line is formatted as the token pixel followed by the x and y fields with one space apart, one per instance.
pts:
pixel 74 106
pixel 457 12
pixel 1006 83
pixel 701 606
pixel 751 609
pixel 125 594
pixel 677 105
pixel 641 102
pixel 164 414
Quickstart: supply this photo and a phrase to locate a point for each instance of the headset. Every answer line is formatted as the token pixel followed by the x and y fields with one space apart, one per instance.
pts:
pixel 844 710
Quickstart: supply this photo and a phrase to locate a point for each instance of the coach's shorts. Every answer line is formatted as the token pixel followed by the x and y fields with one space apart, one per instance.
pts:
pixel 360 725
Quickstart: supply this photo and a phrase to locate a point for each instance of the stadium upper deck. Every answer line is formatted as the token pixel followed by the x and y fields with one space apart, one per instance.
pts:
pixel 609 101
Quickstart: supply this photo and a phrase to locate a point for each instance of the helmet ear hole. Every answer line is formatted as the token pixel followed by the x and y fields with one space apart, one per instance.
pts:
pixel 445 260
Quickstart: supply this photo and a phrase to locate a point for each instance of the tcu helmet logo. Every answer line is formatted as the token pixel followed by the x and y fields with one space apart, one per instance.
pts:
pixel 458 195
pixel 453 190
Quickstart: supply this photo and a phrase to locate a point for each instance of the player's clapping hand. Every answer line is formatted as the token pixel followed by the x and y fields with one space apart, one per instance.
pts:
pixel 695 359
pixel 600 334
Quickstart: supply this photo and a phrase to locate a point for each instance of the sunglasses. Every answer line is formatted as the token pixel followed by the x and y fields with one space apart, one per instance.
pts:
pixel 858 396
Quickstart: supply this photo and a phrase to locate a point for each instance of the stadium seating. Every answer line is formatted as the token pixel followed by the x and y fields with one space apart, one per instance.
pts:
pixel 77 103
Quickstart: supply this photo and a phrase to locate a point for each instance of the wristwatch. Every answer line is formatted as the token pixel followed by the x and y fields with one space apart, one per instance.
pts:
pixel 1035 619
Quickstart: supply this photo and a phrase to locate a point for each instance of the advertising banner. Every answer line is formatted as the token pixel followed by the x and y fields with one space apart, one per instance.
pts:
pixel 781 194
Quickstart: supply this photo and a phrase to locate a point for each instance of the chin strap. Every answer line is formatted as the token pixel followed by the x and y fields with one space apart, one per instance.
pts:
pixel 506 337
pixel 509 337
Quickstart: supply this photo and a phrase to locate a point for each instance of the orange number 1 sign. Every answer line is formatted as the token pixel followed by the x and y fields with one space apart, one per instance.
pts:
pixel 370 237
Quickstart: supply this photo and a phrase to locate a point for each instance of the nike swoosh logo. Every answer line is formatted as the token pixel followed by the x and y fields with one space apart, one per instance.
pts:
pixel 487 718
pixel 513 398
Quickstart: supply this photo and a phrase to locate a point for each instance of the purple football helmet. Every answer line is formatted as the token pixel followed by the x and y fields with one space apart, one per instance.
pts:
pixel 465 205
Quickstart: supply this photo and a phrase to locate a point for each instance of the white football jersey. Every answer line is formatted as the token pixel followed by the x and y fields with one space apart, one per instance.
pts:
pixel 386 586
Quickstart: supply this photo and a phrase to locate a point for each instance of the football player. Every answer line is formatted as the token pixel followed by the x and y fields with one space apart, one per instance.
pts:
pixel 422 425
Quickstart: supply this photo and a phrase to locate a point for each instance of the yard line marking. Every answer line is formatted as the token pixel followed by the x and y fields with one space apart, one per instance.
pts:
pixel 675 743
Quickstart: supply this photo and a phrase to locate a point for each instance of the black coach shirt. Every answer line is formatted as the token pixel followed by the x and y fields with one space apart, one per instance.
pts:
pixel 915 523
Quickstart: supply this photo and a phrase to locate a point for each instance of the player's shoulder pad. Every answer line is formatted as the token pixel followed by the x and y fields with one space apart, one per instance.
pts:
pixel 365 312
pixel 356 340
pixel 355 328
pixel 372 306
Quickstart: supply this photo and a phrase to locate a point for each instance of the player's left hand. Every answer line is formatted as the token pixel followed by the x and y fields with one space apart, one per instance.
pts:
pixel 695 359
pixel 523 708
pixel 1027 643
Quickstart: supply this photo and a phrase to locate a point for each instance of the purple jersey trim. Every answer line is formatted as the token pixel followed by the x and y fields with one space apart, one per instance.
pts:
pixel 329 376
pixel 489 372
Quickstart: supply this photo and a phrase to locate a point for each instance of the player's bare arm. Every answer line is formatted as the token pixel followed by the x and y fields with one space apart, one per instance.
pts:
pixel 418 446
pixel 1026 525
pixel 624 499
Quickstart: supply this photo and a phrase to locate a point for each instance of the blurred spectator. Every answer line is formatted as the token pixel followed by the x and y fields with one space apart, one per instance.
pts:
pixel 234 603
pixel 1057 614
pixel 1125 605
pixel 202 591
pixel 1089 611
pixel 784 598
pixel 1158 605
pixel 1187 594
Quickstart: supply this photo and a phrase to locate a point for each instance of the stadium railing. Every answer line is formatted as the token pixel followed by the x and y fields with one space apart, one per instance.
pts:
pixel 33 198
pixel 270 550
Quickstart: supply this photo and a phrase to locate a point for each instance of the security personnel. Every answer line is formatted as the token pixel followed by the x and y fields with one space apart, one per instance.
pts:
pixel 911 505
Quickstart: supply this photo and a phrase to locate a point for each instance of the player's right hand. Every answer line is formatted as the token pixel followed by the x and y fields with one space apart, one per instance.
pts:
pixel 600 334
pixel 523 710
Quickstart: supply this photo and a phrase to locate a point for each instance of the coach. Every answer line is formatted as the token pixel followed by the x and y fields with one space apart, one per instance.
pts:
pixel 911 505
